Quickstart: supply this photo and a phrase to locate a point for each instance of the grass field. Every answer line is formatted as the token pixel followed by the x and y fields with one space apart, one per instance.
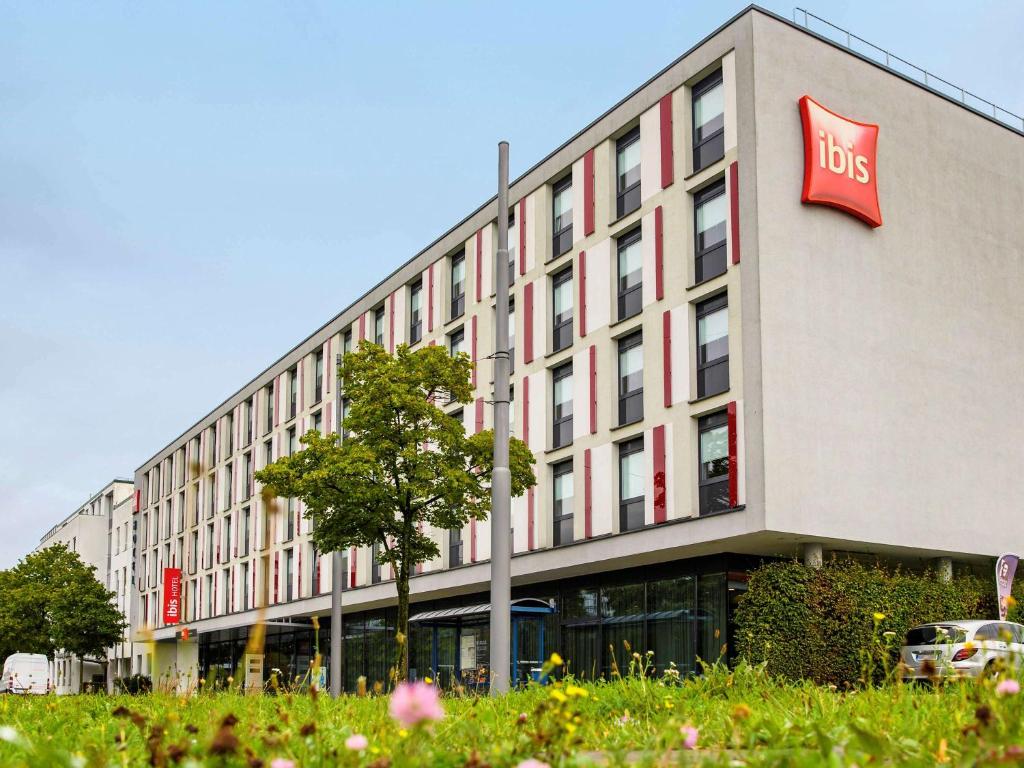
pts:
pixel 741 717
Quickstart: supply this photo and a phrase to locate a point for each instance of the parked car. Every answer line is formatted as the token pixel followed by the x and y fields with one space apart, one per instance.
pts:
pixel 962 648
pixel 26 673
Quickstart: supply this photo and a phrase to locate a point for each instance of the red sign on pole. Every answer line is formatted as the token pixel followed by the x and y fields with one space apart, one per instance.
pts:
pixel 172 595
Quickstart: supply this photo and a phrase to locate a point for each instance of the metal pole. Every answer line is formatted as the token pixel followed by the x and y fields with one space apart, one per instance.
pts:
pixel 337 567
pixel 501 489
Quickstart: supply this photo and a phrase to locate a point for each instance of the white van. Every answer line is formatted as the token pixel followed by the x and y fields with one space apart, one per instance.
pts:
pixel 26 673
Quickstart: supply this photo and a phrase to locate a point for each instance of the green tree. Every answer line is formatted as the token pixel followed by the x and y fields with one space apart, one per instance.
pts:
pixel 52 601
pixel 404 465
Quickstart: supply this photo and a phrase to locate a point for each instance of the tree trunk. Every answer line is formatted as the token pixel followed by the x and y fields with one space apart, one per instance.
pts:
pixel 402 627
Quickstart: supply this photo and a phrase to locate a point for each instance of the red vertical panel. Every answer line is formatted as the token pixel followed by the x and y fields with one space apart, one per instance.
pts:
pixel 526 410
pixel 472 541
pixel 391 329
pixel 479 414
pixel 588 528
pixel 588 193
pixel 300 574
pixel 659 255
pixel 521 226
pixel 479 264
pixel 361 332
pixel 666 355
pixel 430 298
pixel 583 294
pixel 472 348
pixel 593 389
pixel 138 501
pixel 666 140
pixel 352 568
pixel 529 519
pixel 734 477
pixel 734 210
pixel 660 500
pixel 528 323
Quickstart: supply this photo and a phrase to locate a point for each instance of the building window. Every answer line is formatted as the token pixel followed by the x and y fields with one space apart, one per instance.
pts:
pixel 293 442
pixel 211 484
pixel 458 283
pixel 416 312
pixel 631 271
pixel 289 570
pixel 709 232
pixel 225 550
pixel 230 430
pixel 244 587
pixel 378 326
pixel 193 552
pixel 213 455
pixel 708 97
pixel 456 342
pixel 318 376
pixel 454 547
pixel 209 546
pixel 562 306
pixel 511 334
pixel 561 212
pixel 713 481
pixel 513 243
pixel 229 483
pixel 268 393
pixel 631 484
pixel 248 475
pixel 250 419
pixel 346 343
pixel 289 526
pixel 293 392
pixel 631 378
pixel 318 422
pixel 627 171
pixel 345 403
pixel 246 531
pixel 561 428
pixel 713 346
pixel 375 563
pixel 268 452
pixel 314 571
pixel 563 500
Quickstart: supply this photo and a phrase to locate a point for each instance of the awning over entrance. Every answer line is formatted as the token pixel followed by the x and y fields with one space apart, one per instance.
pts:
pixel 523 605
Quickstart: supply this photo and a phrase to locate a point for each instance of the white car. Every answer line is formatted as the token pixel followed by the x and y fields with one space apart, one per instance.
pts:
pixel 962 649
pixel 26 673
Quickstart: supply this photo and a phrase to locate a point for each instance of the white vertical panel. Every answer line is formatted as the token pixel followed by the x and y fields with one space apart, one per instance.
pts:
pixel 520 524
pixel 741 457
pixel 729 86
pixel 650 152
pixel 483 540
pixel 581 395
pixel 531 230
pixel 577 200
pixel 680 325
pixel 487 257
pixel 599 285
pixel 603 496
pixel 538 411
pixel 648 289
pixel 401 324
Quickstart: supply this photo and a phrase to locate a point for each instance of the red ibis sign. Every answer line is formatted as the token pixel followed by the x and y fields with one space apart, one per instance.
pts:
pixel 172 595
pixel 840 162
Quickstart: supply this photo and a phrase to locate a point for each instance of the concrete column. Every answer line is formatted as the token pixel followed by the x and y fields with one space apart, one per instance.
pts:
pixel 943 568
pixel 813 554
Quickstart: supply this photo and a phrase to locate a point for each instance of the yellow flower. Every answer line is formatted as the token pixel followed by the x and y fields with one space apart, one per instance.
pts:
pixel 403 733
pixel 556 660
pixel 427 680
pixel 570 728
pixel 741 712
pixel 557 695
pixel 1011 601
pixel 879 616
pixel 573 690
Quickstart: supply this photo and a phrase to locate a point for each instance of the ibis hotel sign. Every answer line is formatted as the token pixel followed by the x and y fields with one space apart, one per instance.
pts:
pixel 840 162
pixel 172 595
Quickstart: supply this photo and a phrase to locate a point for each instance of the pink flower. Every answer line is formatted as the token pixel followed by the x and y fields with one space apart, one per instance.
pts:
pixel 624 719
pixel 357 742
pixel 282 762
pixel 531 763
pixel 412 703
pixel 1008 688
pixel 689 736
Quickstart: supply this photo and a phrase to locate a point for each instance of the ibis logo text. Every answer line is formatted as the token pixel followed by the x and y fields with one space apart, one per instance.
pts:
pixel 840 162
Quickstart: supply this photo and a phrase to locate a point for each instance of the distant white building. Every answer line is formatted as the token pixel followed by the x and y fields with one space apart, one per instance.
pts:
pixel 101 531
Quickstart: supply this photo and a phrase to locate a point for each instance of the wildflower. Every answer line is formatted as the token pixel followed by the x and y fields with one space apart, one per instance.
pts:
pixel 357 742
pixel 8 734
pixel 1008 688
pixel 741 712
pixel 531 763
pixel 282 762
pixel 689 736
pixel 556 660
pixel 522 718
pixel 574 690
pixel 983 715
pixel 428 681
pixel 413 703
pixel 625 717
pixel 308 729
pixel 558 696
pixel 889 633
pixel 879 616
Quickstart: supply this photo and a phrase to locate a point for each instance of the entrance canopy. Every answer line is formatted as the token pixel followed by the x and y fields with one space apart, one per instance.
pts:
pixel 522 606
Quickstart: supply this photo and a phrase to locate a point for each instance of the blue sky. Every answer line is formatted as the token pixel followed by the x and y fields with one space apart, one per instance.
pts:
pixel 166 169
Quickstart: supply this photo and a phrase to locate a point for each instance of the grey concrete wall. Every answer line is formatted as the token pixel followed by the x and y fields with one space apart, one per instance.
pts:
pixel 892 359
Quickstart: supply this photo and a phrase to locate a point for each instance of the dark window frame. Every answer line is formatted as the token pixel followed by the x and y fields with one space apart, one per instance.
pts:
pixel 718 253
pixel 293 392
pixel 318 376
pixel 561 239
pixel 629 411
pixel 714 143
pixel 561 330
pixel 706 369
pixel 561 523
pixel 627 199
pixel 415 324
pixel 561 428
pixel 629 302
pixel 630 509
pixel 454 547
pixel 458 301
pixel 460 334
pixel 513 248
pixel 710 489
pixel 378 320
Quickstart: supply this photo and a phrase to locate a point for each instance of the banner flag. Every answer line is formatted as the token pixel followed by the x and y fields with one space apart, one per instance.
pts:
pixel 1006 567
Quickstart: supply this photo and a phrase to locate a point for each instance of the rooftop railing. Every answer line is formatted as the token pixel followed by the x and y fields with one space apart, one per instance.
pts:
pixel 862 47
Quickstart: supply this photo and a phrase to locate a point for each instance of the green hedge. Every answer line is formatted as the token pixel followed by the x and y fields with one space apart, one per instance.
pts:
pixel 818 624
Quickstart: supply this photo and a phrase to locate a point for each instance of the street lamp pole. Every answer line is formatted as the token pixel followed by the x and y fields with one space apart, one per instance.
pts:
pixel 337 566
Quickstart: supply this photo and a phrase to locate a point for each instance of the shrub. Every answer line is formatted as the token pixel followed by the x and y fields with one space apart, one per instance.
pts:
pixel 133 684
pixel 821 624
